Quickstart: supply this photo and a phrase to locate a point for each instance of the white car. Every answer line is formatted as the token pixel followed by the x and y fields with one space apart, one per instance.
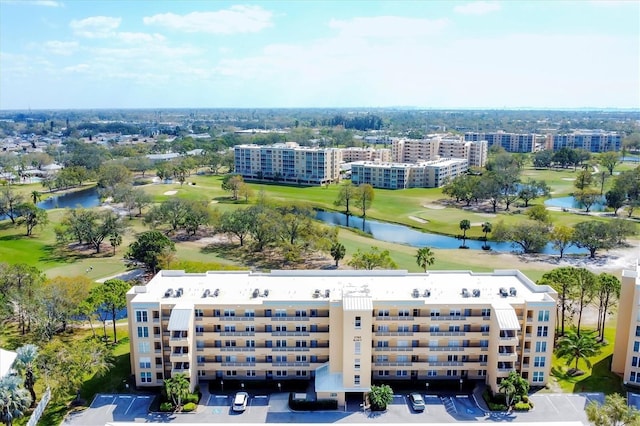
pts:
pixel 240 401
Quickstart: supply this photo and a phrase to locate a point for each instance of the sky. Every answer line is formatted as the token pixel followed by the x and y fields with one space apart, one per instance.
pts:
pixel 85 54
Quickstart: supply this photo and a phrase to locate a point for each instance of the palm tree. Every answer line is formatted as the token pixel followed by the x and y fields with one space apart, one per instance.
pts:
pixel 115 240
pixel 14 399
pixel 177 388
pixel 574 346
pixel 36 196
pixel 464 226
pixel 337 252
pixel 486 228
pixel 25 364
pixel 508 388
pixel 425 257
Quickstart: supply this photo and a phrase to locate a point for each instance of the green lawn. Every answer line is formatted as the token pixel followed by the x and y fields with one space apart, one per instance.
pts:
pixel 598 378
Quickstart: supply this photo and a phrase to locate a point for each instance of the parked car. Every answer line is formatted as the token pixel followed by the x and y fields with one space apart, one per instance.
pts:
pixel 417 403
pixel 240 401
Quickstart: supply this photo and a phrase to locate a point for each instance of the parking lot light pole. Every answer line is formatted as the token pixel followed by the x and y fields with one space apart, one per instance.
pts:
pixel 427 386
pixel 461 385
pixel 279 387
pixel 221 385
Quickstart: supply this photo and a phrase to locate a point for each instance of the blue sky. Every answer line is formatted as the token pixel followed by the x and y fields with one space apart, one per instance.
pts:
pixel 435 54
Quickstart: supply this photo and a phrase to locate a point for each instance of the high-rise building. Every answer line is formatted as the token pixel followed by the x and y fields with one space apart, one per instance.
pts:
pixel 511 142
pixel 365 154
pixel 439 146
pixel 344 330
pixel 589 140
pixel 426 174
pixel 626 350
pixel 288 162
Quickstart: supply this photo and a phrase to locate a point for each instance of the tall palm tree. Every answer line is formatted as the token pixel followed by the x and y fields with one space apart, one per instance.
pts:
pixel 574 347
pixel 508 388
pixel 486 228
pixel 425 257
pixel 464 226
pixel 36 196
pixel 25 364
pixel 14 399
pixel 177 388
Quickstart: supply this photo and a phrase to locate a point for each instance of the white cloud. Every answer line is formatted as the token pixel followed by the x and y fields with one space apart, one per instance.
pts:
pixel 79 68
pixel 46 3
pixel 95 26
pixel 234 20
pixel 64 48
pixel 477 8
pixel 388 26
pixel 128 37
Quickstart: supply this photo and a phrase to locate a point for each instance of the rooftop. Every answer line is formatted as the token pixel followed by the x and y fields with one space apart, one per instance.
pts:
pixel 245 287
pixel 6 361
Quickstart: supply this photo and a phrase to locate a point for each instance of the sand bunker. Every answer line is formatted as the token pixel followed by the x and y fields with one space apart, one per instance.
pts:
pixel 433 206
pixel 486 214
pixel 569 179
pixel 171 193
pixel 418 219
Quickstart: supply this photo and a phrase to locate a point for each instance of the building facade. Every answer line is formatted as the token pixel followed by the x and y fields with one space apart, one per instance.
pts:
pixel 428 174
pixel 439 146
pixel 288 162
pixel 365 154
pixel 342 329
pixel 589 140
pixel 511 142
pixel 626 350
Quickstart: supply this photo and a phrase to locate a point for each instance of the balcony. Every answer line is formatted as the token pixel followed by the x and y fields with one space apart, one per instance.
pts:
pixel 238 333
pixel 395 318
pixel 289 318
pixel 290 364
pixel 448 348
pixel 237 349
pixel 179 357
pixel 290 333
pixel 238 364
pixel 236 318
pixel 447 333
pixel 393 349
pixel 448 318
pixel 392 364
pixel 394 333
pixel 446 364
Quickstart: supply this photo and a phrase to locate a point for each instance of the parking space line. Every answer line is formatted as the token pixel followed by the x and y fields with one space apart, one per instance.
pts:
pixel 572 398
pixel 554 407
pixel 129 407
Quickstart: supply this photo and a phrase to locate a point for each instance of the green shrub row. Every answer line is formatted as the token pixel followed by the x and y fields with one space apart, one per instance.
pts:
pixel 522 406
pixel 189 406
pixel 319 404
pixel 165 407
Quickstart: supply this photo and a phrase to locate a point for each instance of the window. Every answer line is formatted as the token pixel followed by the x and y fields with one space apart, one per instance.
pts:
pixel 301 358
pixel 455 312
pixel 543 316
pixel 250 358
pixel 200 359
pixel 249 313
pixel 541 346
pixel 452 372
pixel 229 343
pixel 199 313
pixel 383 372
pixel 144 347
pixel 301 373
pixel 301 313
pixel 483 358
pixel 538 376
pixel 281 328
pixel 434 328
pixel 632 376
pixel 281 313
pixel 383 343
pixel 143 331
pixel 356 364
pixel 383 313
pixel 301 328
pixel 232 373
pixel 145 362
pixel 403 313
pixel 145 377
pixel 433 358
pixel 281 343
pixel 281 358
pixel 251 373
pixel 229 313
pixel 636 346
pixel 453 343
pixel 403 328
pixel 637 331
pixel 250 328
pixel 199 328
pixel 382 358
pixel 432 373
pixel 482 372
pixel 435 313
pixel 539 361
pixel 357 347
pixel 634 361
pixel 229 328
pixel 281 373
pixel 484 328
pixel 484 343
pixel 358 323
pixel 454 328
pixel 356 380
pixel 402 358
pixel 402 373
pixel 486 312
pixel 383 328
pixel 452 358
pixel 250 343
pixel 141 316
pixel 543 331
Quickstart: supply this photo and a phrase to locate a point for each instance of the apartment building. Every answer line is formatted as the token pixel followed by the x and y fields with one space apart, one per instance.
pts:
pixel 344 330
pixel 288 162
pixel 365 154
pixel 427 174
pixel 626 350
pixel 589 140
pixel 511 142
pixel 439 146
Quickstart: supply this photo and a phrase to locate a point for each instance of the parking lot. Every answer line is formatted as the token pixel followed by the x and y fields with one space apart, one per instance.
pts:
pixel 440 409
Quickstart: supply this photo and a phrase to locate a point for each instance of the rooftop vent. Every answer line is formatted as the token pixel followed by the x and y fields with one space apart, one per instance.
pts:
pixel 327 293
pixel 427 292
pixel 416 293
pixel 316 293
pixel 216 292
pixel 465 292
pixel 256 293
pixel 168 293
pixel 206 293
pixel 266 293
pixel 513 291
pixel 476 292
pixel 179 292
pixel 503 292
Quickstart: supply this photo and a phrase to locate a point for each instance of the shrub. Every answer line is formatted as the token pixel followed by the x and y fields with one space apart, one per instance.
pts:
pixel 166 407
pixel 138 182
pixel 380 397
pixel 493 406
pixel 189 406
pixel 192 397
pixel 522 406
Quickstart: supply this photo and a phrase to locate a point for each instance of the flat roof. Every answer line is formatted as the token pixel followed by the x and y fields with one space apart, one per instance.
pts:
pixel 6 361
pixel 381 286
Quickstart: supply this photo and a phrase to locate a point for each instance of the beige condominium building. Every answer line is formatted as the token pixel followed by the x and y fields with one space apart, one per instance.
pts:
pixel 344 330
pixel 626 350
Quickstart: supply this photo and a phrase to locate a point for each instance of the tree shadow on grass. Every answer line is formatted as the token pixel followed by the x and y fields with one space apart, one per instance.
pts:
pixel 266 259
pixel 64 254
pixel 600 380
pixel 114 381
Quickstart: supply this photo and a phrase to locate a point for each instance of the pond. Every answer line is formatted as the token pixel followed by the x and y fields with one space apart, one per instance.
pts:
pixel 84 198
pixel 572 203
pixel 400 234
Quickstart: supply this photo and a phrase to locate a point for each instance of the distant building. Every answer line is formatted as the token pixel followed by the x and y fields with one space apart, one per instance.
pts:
pixel 589 140
pixel 365 154
pixel 626 350
pixel 341 330
pixel 427 174
pixel 288 162
pixel 439 146
pixel 511 142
